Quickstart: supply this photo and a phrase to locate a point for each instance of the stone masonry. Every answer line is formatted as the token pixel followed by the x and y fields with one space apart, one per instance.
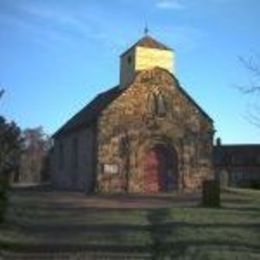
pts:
pixel 133 124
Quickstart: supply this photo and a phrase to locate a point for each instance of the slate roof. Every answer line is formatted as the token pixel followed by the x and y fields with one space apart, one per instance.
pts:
pixel 149 42
pixel 91 111
pixel 183 91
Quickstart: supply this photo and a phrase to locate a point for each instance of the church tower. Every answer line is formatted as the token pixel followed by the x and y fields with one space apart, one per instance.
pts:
pixel 147 53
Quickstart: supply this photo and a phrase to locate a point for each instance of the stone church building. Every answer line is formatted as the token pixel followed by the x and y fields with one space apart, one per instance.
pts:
pixel 145 135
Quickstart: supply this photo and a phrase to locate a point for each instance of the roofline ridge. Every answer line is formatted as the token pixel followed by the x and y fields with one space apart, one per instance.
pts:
pixel 150 37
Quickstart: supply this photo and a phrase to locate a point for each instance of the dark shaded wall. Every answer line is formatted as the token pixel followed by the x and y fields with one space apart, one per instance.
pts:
pixel 73 160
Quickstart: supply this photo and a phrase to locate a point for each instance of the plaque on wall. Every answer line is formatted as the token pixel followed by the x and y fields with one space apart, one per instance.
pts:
pixel 110 168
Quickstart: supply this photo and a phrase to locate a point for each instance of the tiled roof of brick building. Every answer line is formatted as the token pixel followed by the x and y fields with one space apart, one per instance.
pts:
pixel 236 154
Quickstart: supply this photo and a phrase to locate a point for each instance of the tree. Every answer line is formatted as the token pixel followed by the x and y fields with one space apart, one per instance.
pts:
pixel 10 149
pixel 10 152
pixel 252 65
pixel 35 155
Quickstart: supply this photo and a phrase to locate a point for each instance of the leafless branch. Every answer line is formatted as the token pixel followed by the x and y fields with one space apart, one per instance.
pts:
pixel 253 66
pixel 253 119
pixel 250 89
pixel 2 91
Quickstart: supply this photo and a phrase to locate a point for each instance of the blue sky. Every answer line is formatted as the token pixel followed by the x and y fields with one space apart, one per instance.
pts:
pixel 57 55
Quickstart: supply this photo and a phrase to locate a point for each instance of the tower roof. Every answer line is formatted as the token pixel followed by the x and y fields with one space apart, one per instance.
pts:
pixel 149 42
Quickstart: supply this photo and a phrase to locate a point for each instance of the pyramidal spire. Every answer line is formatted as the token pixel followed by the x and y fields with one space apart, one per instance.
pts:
pixel 146 29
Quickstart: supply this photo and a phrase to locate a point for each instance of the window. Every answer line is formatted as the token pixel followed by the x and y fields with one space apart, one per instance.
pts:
pixel 151 101
pixel 237 159
pixel 129 59
pixel 157 104
pixel 160 106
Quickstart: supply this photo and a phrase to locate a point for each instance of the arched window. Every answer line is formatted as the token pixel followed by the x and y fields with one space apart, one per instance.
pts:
pixel 157 105
pixel 151 102
pixel 160 106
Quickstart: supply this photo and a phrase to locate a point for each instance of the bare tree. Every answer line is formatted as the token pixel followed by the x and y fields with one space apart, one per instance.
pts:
pixel 35 152
pixel 2 91
pixel 252 88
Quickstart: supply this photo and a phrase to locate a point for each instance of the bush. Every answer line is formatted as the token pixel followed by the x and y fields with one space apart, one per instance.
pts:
pixel 255 184
pixel 3 199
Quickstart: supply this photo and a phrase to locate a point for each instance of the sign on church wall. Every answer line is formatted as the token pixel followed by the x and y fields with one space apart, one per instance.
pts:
pixel 110 168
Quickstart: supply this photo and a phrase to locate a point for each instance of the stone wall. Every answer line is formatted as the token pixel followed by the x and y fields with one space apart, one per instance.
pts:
pixel 152 111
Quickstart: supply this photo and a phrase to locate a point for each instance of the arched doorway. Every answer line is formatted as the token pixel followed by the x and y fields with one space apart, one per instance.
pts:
pixel 160 166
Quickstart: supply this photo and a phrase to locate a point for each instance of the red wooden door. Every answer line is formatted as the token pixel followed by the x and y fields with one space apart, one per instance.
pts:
pixel 155 167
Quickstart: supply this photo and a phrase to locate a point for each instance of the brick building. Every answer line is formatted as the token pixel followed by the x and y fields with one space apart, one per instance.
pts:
pixel 145 135
pixel 237 164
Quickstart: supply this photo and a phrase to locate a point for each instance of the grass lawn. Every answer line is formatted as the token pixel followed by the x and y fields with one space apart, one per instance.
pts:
pixel 42 221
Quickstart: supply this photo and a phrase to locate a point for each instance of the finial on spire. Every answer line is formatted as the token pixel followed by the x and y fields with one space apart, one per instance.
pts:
pixel 146 29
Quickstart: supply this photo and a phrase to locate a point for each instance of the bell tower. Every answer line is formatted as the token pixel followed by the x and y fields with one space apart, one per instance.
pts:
pixel 147 53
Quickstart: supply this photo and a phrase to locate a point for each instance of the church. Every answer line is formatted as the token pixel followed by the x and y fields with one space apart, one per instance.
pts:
pixel 145 135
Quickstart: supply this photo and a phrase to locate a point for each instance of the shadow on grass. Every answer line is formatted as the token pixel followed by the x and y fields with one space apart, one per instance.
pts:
pixel 159 248
pixel 163 234
pixel 162 238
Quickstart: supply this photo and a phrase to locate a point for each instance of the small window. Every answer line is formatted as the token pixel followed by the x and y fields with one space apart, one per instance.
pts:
pixel 151 102
pixel 124 146
pixel 129 59
pixel 157 105
pixel 160 106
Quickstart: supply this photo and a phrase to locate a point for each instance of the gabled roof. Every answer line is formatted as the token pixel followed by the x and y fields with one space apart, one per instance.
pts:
pixel 90 112
pixel 191 100
pixel 148 42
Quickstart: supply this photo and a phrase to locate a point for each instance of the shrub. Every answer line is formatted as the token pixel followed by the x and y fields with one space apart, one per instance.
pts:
pixel 255 184
pixel 3 199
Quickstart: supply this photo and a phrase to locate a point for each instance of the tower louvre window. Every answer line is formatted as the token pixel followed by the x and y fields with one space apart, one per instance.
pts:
pixel 129 59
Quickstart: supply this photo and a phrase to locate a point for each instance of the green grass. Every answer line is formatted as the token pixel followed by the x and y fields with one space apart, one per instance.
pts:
pixel 229 232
